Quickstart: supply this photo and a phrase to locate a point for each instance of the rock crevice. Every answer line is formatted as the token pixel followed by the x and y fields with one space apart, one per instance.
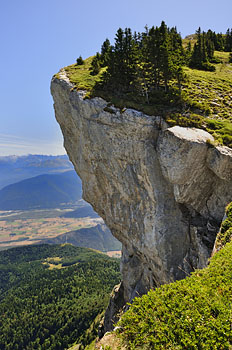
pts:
pixel 162 191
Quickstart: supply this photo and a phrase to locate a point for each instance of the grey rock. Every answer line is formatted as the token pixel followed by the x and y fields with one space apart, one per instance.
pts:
pixel 161 191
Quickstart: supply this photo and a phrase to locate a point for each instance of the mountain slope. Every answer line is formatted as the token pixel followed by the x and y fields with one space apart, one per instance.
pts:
pixel 51 294
pixel 98 237
pixel 17 168
pixel 45 191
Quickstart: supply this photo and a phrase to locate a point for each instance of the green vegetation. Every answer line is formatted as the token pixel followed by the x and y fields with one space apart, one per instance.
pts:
pixel 80 61
pixel 192 314
pixel 42 308
pixel 150 72
pixel 203 52
pixel 81 77
pixel 225 234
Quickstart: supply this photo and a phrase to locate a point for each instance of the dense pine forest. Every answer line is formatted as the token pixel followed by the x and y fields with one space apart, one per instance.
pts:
pixel 50 295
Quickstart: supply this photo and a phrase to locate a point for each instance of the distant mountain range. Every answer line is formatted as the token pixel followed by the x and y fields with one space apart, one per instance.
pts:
pixel 98 237
pixel 43 191
pixel 16 168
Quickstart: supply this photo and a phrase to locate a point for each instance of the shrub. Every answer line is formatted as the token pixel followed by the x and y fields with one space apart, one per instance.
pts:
pixel 215 60
pixel 230 57
pixel 225 234
pixel 227 140
pixel 96 65
pixel 80 61
pixel 208 67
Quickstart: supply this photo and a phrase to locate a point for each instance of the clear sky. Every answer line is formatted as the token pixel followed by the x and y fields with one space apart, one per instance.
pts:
pixel 39 37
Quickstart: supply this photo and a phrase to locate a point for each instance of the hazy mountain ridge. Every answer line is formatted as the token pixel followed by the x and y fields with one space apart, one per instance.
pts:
pixel 45 191
pixel 17 168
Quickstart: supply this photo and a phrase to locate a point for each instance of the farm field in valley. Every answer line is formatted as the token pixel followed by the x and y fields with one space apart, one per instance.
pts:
pixel 114 253
pixel 19 228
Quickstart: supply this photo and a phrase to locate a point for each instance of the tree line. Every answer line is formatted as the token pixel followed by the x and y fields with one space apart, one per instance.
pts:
pixel 153 60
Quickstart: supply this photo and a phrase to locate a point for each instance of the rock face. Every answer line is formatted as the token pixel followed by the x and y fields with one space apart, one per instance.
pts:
pixel 161 191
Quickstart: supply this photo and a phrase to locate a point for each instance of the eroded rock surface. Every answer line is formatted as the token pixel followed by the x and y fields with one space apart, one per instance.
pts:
pixel 161 191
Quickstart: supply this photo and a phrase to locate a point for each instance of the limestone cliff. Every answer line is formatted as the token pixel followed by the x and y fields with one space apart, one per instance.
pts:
pixel 162 191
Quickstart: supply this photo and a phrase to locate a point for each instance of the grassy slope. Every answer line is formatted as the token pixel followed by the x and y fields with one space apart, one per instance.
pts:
pixel 206 98
pixel 80 75
pixel 194 313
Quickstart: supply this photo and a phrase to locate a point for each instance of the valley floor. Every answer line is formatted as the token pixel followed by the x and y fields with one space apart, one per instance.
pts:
pixel 18 228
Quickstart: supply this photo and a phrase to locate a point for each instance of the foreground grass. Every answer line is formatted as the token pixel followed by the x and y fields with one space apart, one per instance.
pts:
pixel 205 101
pixel 192 314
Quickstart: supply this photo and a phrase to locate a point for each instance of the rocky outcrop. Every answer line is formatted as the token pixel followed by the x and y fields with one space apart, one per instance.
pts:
pixel 162 191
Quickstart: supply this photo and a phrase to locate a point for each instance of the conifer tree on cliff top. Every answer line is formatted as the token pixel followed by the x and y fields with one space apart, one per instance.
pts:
pixel 202 52
pixel 143 61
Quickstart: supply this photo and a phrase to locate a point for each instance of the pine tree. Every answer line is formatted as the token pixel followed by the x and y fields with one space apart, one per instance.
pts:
pixel 177 56
pixel 164 55
pixel 122 61
pixel 130 57
pixel 116 67
pixel 230 57
pixel 144 62
pixel 79 61
pixel 96 64
pixel 220 42
pixel 201 53
pixel 196 58
pixel 228 40
pixel 152 56
pixel 105 52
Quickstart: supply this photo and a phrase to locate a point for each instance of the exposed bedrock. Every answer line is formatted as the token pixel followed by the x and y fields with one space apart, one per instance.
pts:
pixel 161 191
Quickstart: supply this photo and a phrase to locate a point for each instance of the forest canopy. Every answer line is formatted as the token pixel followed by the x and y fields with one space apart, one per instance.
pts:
pixel 51 294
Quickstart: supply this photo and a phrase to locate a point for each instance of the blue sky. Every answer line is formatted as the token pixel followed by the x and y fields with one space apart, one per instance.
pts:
pixel 39 37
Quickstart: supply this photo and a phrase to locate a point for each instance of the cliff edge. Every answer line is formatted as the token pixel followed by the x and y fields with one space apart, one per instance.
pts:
pixel 162 191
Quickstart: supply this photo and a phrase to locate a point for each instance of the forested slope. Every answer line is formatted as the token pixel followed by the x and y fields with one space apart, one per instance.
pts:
pixel 50 295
